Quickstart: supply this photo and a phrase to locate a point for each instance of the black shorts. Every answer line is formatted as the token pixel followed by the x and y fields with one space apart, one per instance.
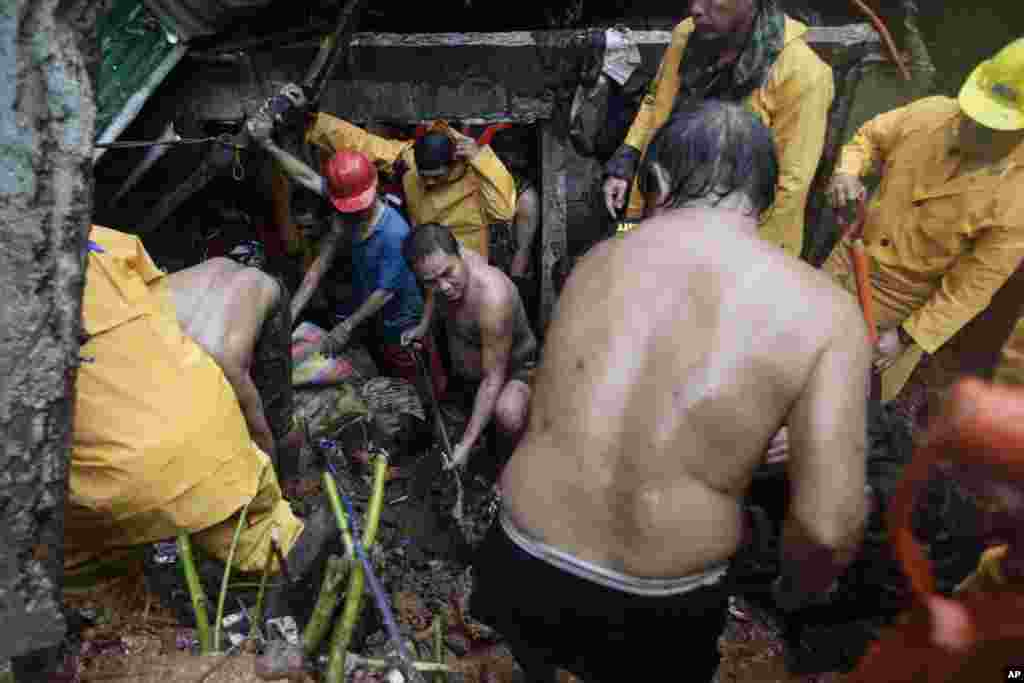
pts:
pixel 552 619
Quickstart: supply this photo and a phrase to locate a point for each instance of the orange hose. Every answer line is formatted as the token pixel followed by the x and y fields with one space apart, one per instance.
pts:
pixel 867 304
pixel 887 40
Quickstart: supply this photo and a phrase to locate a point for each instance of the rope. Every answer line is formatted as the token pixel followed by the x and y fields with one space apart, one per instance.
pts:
pixel 224 139
pixel 383 606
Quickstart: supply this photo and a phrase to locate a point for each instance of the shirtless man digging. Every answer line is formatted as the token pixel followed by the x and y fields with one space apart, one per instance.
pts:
pixel 678 352
pixel 489 336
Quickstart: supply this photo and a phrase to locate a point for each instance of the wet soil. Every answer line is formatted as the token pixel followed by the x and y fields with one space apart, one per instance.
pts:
pixel 423 562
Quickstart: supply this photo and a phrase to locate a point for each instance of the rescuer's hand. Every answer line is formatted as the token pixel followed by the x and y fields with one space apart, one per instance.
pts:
pixel 844 189
pixel 260 126
pixel 465 146
pixel 615 194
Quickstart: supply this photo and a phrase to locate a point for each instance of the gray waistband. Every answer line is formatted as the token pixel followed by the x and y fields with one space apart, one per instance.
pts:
pixel 609 578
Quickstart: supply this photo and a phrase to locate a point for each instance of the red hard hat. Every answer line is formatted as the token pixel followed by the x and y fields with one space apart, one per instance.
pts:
pixel 351 181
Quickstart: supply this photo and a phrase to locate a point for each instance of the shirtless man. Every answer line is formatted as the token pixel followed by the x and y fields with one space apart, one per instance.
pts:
pixel 238 314
pixel 492 346
pixel 678 352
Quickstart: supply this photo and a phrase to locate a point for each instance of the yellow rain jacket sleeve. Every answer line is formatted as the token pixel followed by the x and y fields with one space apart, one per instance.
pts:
pixel 794 103
pixel 988 576
pixel 944 242
pixel 1010 369
pixel 159 442
pixel 478 193
pixel 334 134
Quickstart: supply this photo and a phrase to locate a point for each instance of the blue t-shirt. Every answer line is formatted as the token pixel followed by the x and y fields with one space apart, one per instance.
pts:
pixel 377 263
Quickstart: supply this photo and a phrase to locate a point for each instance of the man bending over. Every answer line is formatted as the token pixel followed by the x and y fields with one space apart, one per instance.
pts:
pixel 678 352
pixel 492 346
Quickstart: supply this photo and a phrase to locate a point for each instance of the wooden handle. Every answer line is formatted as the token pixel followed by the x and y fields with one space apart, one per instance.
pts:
pixel 860 271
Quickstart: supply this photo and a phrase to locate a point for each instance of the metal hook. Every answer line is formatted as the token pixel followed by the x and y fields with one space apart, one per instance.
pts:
pixel 238 171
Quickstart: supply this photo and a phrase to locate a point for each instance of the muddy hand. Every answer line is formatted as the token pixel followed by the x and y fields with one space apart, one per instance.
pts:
pixel 465 146
pixel 845 189
pixel 458 457
pixel 413 337
pixel 295 95
pixel 888 350
pixel 260 126
pixel 615 194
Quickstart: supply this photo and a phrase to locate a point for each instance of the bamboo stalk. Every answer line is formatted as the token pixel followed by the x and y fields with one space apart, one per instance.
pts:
pixel 331 490
pixel 227 567
pixel 257 617
pixel 338 569
pixel 195 591
pixel 342 635
pixel 439 677
pixel 425 667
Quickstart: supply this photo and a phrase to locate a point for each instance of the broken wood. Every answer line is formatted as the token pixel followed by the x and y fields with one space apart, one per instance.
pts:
pixel 355 660
pixel 330 52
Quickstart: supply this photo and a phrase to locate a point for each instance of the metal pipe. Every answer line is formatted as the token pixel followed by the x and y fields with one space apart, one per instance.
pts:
pixel 153 154
pixel 134 104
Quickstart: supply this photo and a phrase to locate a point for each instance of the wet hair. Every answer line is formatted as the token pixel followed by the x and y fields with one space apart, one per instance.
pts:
pixel 425 239
pixel 433 151
pixel 711 149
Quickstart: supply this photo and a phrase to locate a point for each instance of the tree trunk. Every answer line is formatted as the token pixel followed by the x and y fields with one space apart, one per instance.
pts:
pixel 47 51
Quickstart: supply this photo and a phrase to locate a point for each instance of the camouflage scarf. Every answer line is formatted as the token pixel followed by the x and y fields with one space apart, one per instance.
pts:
pixel 702 78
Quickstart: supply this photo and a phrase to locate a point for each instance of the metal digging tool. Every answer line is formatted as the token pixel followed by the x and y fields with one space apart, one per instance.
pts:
pixel 431 465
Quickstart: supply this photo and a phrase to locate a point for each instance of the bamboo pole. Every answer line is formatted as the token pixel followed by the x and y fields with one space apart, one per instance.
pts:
pixel 227 574
pixel 342 635
pixel 195 591
pixel 338 569
pixel 439 677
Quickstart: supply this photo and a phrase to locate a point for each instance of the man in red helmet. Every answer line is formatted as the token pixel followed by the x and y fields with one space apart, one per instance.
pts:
pixel 385 290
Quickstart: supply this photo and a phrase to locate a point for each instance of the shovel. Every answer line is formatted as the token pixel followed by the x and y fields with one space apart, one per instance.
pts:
pixel 429 466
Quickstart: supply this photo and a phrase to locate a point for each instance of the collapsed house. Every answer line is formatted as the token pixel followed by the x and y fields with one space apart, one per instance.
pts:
pixel 164 76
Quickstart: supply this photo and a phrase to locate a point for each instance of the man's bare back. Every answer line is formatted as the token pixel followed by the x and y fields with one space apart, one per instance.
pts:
pixel 221 305
pixel 677 354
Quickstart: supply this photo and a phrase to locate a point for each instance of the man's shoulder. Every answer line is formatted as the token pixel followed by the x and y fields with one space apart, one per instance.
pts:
pixel 936 109
pixel 393 226
pixel 497 290
pixel 926 116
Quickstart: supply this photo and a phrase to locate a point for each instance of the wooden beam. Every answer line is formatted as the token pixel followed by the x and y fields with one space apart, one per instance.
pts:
pixel 554 238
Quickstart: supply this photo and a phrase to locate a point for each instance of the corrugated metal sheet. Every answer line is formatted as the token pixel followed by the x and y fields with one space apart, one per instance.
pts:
pixel 135 45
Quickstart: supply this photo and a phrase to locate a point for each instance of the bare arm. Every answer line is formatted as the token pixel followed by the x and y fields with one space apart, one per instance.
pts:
pixel 496 326
pixel 527 221
pixel 222 307
pixel 371 307
pixel 294 167
pixel 328 248
pixel 422 328
pixel 252 406
pixel 828 446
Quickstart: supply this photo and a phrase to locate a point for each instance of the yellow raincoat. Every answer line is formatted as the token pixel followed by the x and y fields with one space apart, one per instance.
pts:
pixel 793 103
pixel 159 441
pixel 940 242
pixel 484 194
pixel 1010 369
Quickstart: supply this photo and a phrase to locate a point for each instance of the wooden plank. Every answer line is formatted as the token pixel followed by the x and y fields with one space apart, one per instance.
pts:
pixel 554 249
